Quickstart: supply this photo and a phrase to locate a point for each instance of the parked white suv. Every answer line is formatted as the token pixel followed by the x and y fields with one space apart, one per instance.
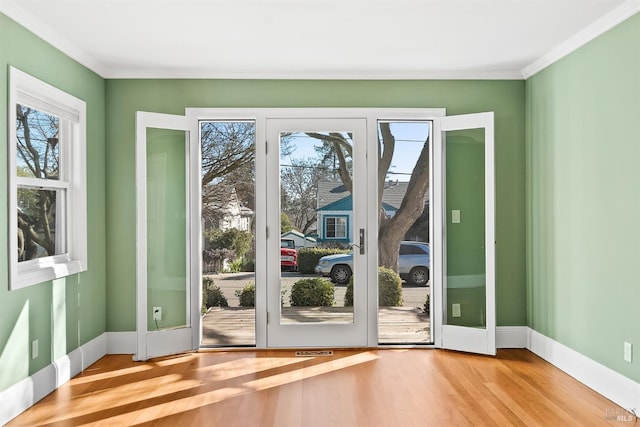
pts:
pixel 414 260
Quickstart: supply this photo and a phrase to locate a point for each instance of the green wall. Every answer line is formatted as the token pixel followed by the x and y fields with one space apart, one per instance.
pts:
pixel 69 312
pixel 125 97
pixel 583 198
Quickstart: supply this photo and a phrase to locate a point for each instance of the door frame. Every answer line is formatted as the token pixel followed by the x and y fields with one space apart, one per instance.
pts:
pixel 437 213
pixel 372 115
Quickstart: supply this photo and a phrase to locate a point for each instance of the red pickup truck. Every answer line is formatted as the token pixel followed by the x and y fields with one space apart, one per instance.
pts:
pixel 288 255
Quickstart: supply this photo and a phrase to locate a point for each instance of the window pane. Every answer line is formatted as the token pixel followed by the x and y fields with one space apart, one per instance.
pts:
pixel 38 217
pixel 341 227
pixel 331 227
pixel 37 148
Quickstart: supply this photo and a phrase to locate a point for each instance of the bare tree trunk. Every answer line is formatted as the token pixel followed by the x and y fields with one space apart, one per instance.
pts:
pixel 46 242
pixel 391 231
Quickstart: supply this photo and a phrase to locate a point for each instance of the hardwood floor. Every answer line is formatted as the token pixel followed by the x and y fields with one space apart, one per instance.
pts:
pixel 379 387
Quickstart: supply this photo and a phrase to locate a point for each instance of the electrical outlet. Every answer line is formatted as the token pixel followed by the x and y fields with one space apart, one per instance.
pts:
pixel 455 216
pixel 628 352
pixel 34 349
pixel 157 313
pixel 455 310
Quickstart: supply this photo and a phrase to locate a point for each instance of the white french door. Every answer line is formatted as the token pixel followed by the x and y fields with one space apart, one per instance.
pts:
pixel 462 227
pixel 167 238
pixel 467 241
pixel 291 322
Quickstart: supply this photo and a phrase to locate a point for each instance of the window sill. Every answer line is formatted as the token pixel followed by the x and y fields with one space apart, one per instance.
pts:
pixel 41 274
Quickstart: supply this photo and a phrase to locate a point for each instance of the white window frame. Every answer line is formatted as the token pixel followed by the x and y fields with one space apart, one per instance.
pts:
pixel 26 90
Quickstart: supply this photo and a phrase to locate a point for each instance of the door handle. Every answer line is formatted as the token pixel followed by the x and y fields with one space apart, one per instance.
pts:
pixel 361 241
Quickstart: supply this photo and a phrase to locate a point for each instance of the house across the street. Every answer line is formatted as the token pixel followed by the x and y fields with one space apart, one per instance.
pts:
pixel 300 239
pixel 335 209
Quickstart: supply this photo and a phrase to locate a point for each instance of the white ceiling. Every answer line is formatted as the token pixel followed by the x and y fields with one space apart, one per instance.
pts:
pixel 317 38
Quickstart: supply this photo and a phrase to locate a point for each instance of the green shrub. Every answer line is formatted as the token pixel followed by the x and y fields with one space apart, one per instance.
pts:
pixel 212 295
pixel 389 289
pixel 232 239
pixel 314 292
pixel 308 258
pixel 348 295
pixel 236 266
pixel 247 295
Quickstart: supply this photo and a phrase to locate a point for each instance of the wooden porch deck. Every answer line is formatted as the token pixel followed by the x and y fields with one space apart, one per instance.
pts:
pixel 235 326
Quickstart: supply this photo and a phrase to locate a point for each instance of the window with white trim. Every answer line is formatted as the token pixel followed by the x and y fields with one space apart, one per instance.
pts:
pixel 47 182
pixel 335 227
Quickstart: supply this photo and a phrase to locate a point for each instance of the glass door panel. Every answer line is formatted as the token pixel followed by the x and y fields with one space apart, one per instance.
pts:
pixel 317 259
pixel 228 222
pixel 469 266
pixel 167 263
pixel 404 286
pixel 316 211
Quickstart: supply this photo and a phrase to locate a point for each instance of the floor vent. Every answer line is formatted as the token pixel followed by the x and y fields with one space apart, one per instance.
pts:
pixel 308 353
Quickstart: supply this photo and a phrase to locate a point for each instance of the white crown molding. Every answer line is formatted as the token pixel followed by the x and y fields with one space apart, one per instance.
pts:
pixel 601 26
pixel 46 32
pixel 154 73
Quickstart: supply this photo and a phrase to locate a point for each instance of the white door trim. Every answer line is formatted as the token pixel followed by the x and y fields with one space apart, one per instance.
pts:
pixel 372 115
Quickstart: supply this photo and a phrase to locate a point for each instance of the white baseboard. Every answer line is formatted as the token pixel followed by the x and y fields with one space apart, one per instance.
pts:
pixel 121 342
pixel 605 381
pixel 512 336
pixel 21 396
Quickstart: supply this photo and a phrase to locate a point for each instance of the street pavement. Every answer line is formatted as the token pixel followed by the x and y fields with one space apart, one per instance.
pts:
pixel 413 296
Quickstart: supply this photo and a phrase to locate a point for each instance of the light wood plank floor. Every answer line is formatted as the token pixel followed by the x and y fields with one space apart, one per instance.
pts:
pixel 380 387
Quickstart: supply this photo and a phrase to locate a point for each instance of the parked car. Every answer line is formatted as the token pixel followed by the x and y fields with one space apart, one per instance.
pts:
pixel 288 255
pixel 414 260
